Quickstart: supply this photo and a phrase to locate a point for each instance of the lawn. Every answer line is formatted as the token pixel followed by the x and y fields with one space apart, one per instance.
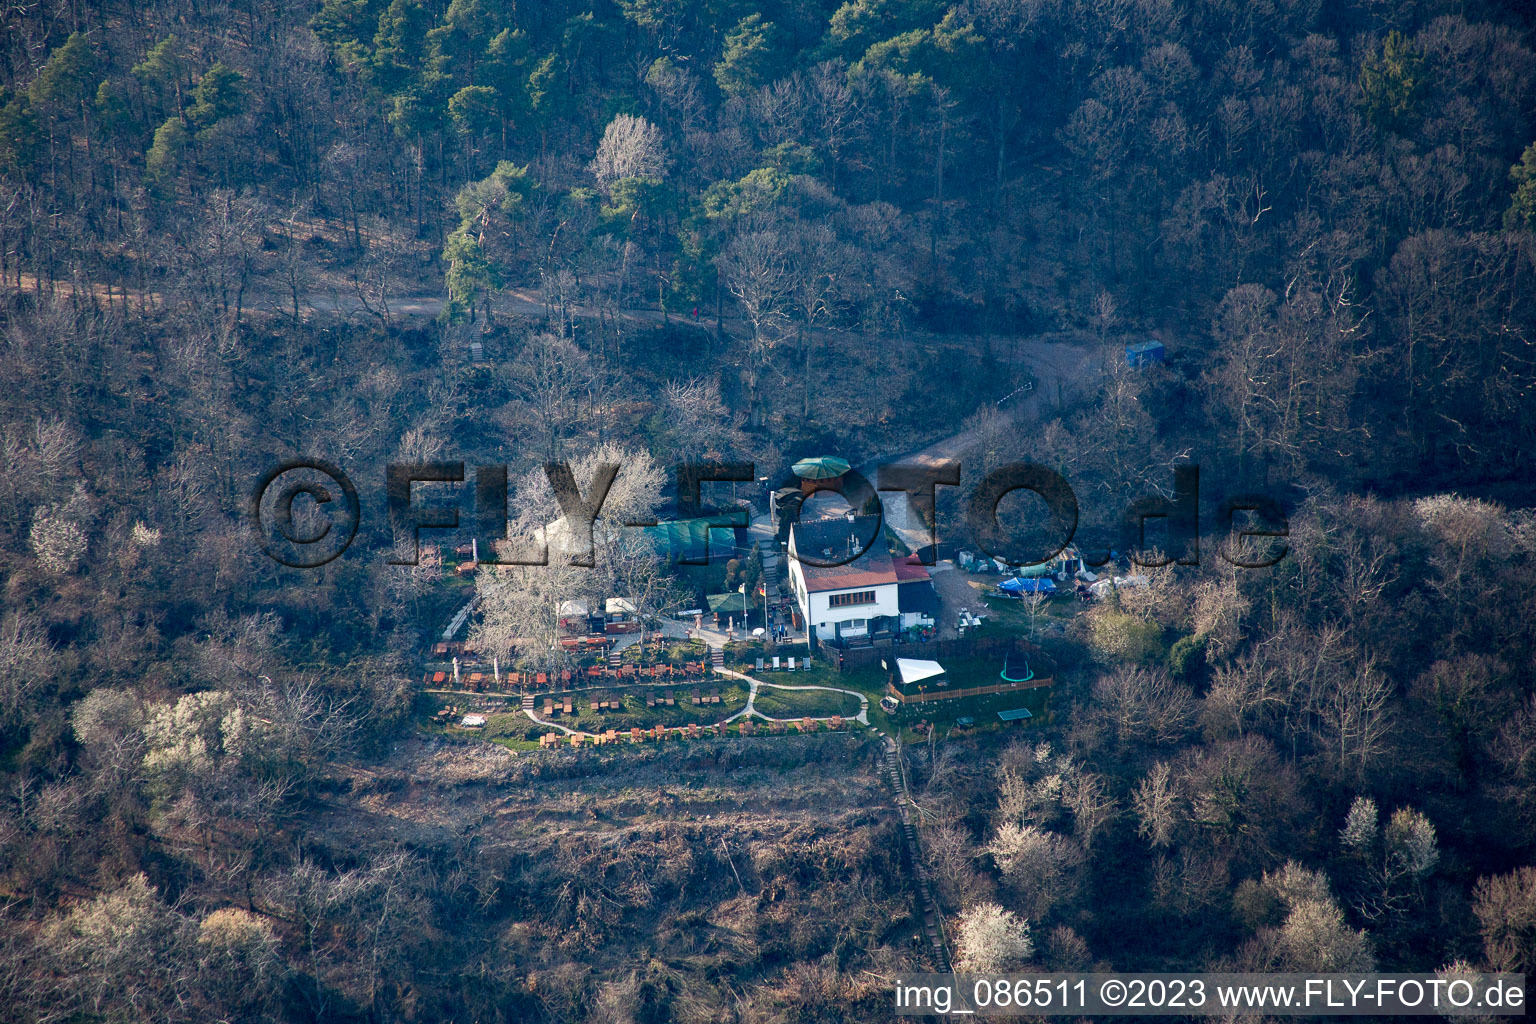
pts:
pixel 1011 615
pixel 962 673
pixel 973 672
pixel 512 730
pixel 868 681
pixel 983 709
pixel 798 703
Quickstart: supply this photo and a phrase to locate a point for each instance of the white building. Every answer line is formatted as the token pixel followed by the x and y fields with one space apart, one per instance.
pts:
pixel 866 597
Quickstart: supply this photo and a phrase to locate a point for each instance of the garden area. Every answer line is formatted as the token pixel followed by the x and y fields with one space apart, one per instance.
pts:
pixel 632 711
pixel 666 651
pixel 982 711
pixel 776 703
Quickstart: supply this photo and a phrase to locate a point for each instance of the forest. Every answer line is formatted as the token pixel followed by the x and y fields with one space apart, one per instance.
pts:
pixel 238 231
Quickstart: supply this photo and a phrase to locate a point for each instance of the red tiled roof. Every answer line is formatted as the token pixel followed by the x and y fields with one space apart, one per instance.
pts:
pixel 910 568
pixel 845 577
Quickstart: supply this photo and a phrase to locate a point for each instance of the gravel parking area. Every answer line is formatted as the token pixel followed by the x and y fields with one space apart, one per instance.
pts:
pixel 955 592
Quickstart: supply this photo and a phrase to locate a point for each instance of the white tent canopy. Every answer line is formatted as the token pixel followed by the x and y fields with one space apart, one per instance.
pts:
pixel 915 670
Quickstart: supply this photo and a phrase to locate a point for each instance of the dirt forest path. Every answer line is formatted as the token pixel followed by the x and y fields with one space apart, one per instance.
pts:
pixel 522 302
pixel 1059 368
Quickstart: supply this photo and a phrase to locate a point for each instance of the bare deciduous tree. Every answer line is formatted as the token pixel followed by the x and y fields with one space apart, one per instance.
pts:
pixel 1355 719
pixel 1506 911
pixel 697 420
pixel 1144 705
pixel 756 271
pixel 631 147
pixel 1156 804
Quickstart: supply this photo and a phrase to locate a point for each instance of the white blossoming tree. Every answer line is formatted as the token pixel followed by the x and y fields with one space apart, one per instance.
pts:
pixel 992 939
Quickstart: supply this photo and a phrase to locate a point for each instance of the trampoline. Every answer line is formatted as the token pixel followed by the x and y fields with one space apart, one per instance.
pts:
pixel 1016 668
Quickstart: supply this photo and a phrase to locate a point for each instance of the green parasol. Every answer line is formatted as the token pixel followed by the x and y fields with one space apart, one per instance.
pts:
pixel 822 467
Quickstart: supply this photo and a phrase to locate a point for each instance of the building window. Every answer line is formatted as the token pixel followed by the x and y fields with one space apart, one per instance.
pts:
pixel 855 623
pixel 857 597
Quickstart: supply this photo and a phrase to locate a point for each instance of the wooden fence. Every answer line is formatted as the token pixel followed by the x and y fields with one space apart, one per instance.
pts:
pixel 932 650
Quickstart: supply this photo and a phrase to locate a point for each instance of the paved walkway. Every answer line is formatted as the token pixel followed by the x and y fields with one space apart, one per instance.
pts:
pixel 750 711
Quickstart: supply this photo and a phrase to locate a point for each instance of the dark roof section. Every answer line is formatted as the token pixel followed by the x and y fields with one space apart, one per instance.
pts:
pixel 812 536
pixel 832 539
pixel 917 596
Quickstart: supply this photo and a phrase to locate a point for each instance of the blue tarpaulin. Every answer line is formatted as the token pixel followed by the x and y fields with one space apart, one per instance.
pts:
pixel 1036 586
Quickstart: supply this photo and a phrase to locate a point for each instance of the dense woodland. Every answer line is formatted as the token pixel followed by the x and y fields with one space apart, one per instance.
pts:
pixel 234 232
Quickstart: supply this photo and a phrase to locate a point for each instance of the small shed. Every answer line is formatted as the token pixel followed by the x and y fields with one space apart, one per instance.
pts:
pixel 1145 353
